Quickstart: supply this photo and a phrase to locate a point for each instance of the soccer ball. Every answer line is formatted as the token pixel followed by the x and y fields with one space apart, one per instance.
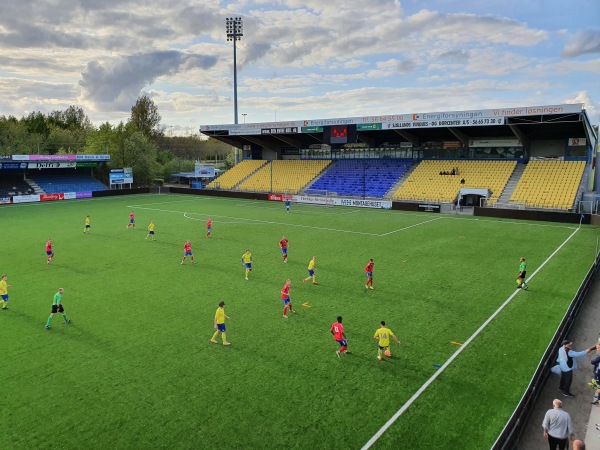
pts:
pixel 387 353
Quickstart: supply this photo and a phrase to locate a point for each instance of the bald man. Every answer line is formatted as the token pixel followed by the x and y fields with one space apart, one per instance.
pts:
pixel 558 427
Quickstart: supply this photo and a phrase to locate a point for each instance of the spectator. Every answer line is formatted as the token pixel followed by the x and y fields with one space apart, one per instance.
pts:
pixel 578 444
pixel 453 171
pixel 566 359
pixel 558 427
pixel 596 364
pixel 462 181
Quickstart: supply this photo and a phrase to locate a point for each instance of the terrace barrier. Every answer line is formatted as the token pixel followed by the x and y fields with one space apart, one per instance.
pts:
pixel 509 437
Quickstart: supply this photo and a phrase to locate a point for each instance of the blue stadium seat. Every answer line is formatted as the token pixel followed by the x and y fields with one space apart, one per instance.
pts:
pixel 68 183
pixel 362 177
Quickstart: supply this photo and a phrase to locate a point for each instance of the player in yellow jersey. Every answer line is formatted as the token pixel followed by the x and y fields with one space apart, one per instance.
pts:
pixel 4 292
pixel 247 262
pixel 87 225
pixel 219 323
pixel 151 230
pixel 382 335
pixel 311 271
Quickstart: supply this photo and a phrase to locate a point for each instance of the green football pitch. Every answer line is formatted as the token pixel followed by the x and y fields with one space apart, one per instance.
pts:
pixel 135 368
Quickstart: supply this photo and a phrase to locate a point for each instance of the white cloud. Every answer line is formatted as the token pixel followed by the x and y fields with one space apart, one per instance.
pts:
pixel 307 58
pixel 584 42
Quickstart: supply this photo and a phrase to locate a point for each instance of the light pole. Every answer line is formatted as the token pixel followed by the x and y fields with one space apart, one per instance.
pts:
pixel 235 30
pixel 244 114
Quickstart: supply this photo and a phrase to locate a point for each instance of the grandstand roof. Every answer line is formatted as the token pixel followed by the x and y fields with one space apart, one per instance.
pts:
pixel 523 123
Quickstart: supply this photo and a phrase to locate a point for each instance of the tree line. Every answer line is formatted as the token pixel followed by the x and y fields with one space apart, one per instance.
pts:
pixel 139 143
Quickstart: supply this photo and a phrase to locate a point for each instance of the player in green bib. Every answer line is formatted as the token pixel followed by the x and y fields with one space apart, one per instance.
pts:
pixel 57 307
pixel 522 273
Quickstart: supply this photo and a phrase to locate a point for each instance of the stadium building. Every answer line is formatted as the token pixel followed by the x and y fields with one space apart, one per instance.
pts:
pixel 535 158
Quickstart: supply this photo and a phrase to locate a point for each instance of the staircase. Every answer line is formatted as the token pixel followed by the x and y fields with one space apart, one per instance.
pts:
pixel 36 188
pixel 388 195
pixel 511 184
pixel 315 179
pixel 234 188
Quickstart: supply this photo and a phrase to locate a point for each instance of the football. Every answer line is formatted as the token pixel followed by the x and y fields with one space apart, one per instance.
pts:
pixel 388 353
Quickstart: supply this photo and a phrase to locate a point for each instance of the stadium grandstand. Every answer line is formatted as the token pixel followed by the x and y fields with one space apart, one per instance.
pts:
pixel 32 178
pixel 536 157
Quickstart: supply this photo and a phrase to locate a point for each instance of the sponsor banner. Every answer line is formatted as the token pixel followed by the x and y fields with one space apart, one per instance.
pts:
pixel 290 151
pixel 576 142
pixel 279 130
pixel 311 129
pixel 483 117
pixel 494 143
pixel 92 157
pixel 337 201
pixel 243 131
pixel 419 123
pixel 275 197
pixel 52 165
pixel 69 195
pixel 87 164
pixel 121 176
pixel 51 157
pixel 20 157
pixel 380 204
pixel 86 194
pixel 369 126
pixel 4 200
pixel 312 199
pixel 204 171
pixel 429 208
pixel 13 165
pixel 5 157
pixel 51 197
pixel 26 198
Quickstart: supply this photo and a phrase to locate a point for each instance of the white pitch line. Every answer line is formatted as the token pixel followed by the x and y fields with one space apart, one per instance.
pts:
pixel 166 203
pixel 417 394
pixel 303 210
pixel 262 222
pixel 265 222
pixel 411 226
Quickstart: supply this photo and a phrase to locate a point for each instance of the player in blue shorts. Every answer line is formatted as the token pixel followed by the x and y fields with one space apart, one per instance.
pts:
pixel 187 251
pixel 247 262
pixel 4 292
pixel 285 298
pixel 219 324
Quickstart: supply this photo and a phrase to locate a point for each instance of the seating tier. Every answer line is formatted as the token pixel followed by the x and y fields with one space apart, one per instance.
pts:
pixel 430 182
pixel 549 184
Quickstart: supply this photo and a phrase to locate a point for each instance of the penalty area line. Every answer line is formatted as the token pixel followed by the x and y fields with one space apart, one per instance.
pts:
pixel 265 222
pixel 422 389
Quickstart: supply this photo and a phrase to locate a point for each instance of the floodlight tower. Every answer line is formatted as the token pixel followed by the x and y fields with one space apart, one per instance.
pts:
pixel 235 30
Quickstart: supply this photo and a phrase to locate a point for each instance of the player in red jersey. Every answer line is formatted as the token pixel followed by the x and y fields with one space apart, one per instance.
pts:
pixel 187 251
pixel 49 252
pixel 208 227
pixel 337 329
pixel 131 220
pixel 283 244
pixel 369 271
pixel 285 298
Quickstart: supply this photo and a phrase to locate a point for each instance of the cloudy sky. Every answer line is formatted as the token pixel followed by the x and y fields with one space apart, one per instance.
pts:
pixel 298 59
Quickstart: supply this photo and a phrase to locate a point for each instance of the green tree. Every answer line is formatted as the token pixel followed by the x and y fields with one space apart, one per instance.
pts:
pixel 141 157
pixel 145 116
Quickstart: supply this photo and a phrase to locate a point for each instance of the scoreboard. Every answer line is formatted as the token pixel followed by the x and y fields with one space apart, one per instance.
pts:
pixel 340 134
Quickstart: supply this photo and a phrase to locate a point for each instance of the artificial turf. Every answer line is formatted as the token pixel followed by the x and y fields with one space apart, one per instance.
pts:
pixel 135 368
